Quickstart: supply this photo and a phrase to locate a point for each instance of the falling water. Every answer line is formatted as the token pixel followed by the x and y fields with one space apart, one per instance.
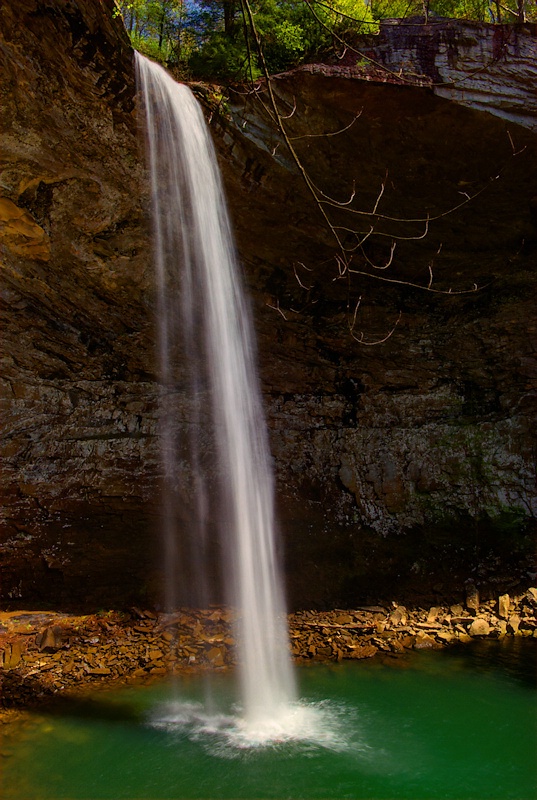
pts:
pixel 194 249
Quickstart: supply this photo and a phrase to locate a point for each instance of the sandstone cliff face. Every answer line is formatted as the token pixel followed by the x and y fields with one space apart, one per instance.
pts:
pixel 390 458
pixel 77 382
pixel 489 67
pixel 430 431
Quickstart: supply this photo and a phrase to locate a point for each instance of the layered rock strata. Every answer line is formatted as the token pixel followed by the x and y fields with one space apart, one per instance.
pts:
pixel 411 462
pixel 431 429
pixel 490 67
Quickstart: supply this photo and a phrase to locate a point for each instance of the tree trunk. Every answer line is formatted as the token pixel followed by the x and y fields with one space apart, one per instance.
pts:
pixel 230 8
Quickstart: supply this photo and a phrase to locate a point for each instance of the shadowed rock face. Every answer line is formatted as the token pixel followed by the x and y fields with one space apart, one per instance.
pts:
pixel 434 425
pixel 78 391
pixel 479 65
pixel 391 460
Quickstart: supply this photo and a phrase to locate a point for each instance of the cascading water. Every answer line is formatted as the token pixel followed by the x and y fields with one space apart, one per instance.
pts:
pixel 194 249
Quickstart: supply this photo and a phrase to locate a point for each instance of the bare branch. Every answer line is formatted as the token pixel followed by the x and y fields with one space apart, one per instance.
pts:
pixel 383 235
pixel 336 203
pixel 423 286
pixel 357 306
pixel 329 133
pixel 515 152
pixel 288 116
pixel 277 308
pixel 361 337
pixel 273 105
pixel 428 218
pixel 342 265
pixel 380 266
pixel 307 288
pixel 362 241
pixel 251 90
pixel 379 196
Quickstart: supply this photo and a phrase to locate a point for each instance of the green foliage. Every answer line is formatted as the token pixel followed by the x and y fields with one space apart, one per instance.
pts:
pixel 220 57
pixel 214 39
pixel 148 47
pixel 284 45
pixel 478 10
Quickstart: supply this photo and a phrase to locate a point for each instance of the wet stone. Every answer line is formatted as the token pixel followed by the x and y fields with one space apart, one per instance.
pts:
pixel 343 619
pixel 50 639
pixel 363 651
pixel 464 637
pixel 13 654
pixel 399 616
pixel 94 651
pixel 424 642
pixel 445 636
pixel 513 623
pixel 504 602
pixel 216 656
pixel 531 595
pixel 479 627
pixel 472 596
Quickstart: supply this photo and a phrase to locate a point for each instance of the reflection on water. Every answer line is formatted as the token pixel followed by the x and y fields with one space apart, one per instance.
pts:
pixel 513 658
pixel 459 724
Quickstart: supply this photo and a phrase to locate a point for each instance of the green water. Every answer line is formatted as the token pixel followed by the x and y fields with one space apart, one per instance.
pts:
pixel 457 724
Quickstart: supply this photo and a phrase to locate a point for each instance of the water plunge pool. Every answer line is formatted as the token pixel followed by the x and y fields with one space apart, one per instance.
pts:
pixel 455 724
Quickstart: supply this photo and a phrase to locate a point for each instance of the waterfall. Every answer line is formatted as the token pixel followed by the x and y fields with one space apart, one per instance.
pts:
pixel 199 282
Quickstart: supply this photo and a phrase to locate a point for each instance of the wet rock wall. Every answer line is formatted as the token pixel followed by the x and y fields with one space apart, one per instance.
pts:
pixel 406 464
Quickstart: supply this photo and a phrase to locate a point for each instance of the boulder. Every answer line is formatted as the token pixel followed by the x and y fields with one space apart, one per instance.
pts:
pixel 446 636
pixel 504 602
pixel 362 651
pixel 513 623
pixel 13 653
pixel 51 638
pixel 531 596
pixel 424 641
pixel 479 627
pixel 472 596
pixel 399 616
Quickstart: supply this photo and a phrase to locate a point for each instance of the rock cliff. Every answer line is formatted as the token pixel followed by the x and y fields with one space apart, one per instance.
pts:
pixel 409 463
pixel 425 439
pixel 77 379
pixel 484 66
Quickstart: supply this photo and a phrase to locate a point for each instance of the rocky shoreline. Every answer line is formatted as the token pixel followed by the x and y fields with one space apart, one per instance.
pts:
pixel 46 654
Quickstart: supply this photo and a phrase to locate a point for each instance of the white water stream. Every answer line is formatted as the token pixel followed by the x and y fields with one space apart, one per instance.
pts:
pixel 192 236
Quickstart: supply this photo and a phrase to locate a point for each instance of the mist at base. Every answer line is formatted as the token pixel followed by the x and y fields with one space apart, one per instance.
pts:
pixel 305 725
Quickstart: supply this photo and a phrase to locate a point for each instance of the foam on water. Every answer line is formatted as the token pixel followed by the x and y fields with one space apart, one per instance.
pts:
pixel 324 725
